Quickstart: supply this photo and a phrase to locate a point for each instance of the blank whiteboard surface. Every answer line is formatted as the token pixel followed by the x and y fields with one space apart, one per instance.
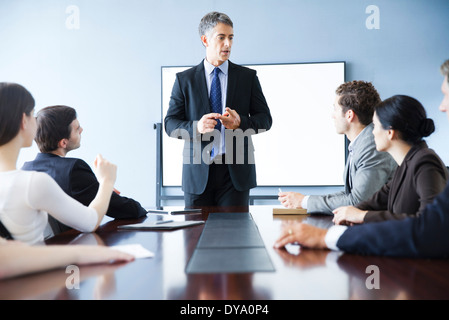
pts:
pixel 302 147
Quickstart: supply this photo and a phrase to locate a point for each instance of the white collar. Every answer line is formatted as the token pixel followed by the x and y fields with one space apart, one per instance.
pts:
pixel 210 67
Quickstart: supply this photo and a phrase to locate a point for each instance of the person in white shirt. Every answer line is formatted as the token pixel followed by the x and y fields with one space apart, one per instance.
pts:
pixel 27 197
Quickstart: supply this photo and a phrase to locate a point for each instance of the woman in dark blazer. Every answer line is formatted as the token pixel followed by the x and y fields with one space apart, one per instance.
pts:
pixel 400 124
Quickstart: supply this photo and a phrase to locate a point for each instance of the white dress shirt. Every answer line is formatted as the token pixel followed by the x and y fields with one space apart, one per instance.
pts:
pixel 223 76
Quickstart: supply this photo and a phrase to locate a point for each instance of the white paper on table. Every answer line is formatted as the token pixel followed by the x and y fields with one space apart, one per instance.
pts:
pixel 137 250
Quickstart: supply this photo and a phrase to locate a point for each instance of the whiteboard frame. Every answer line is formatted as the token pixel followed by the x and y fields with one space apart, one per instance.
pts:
pixel 337 142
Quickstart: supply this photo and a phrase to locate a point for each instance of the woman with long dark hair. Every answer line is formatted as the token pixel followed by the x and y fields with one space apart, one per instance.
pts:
pixel 27 197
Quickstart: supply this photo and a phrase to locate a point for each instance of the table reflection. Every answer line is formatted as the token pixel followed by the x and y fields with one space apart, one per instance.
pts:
pixel 52 284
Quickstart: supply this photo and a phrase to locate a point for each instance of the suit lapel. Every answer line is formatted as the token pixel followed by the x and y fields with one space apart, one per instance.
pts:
pixel 396 185
pixel 200 79
pixel 346 178
pixel 350 164
pixel 401 173
pixel 232 83
pixel 359 143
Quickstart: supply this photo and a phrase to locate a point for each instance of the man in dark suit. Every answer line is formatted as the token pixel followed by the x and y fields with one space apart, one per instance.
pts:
pixel 224 101
pixel 425 236
pixel 59 132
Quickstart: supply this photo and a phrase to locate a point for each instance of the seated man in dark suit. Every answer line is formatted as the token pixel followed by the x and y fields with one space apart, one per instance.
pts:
pixel 59 132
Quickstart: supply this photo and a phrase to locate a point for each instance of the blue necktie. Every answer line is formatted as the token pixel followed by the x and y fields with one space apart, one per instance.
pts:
pixel 215 96
pixel 215 101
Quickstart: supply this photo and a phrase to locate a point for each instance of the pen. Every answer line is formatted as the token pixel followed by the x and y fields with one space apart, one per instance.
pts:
pixel 280 190
pixel 164 221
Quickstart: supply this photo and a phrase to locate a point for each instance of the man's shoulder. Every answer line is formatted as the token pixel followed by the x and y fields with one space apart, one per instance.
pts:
pixel 242 69
pixel 422 154
pixel 77 163
pixel 47 160
pixel 66 162
pixel 189 72
pixel 69 162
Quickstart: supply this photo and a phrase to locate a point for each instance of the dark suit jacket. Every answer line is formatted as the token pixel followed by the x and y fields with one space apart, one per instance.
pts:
pixel 77 179
pixel 190 101
pixel 416 182
pixel 425 236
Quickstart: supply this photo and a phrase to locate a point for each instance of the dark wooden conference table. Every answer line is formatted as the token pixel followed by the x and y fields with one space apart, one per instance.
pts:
pixel 299 273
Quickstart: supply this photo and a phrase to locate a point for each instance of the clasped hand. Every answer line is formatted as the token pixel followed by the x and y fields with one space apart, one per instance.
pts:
pixel 348 215
pixel 230 120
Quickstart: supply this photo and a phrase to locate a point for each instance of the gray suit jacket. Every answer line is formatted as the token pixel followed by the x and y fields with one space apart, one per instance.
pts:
pixel 368 172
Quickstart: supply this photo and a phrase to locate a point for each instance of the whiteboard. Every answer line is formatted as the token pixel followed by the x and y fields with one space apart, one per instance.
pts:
pixel 302 147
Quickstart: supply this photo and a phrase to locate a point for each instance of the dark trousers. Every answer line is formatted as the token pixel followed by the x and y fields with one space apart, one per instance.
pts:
pixel 219 191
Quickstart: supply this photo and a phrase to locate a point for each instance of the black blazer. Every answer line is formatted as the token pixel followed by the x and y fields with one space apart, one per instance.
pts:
pixel 416 182
pixel 77 179
pixel 190 101
pixel 425 236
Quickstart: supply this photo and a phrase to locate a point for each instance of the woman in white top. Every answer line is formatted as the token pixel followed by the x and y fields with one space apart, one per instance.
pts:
pixel 27 197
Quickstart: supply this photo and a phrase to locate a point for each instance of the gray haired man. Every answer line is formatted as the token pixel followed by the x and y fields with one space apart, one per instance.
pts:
pixel 213 97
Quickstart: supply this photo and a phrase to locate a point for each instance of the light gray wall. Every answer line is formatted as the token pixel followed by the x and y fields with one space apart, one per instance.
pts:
pixel 109 67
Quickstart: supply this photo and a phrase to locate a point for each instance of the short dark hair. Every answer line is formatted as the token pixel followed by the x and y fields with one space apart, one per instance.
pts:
pixel 15 100
pixel 360 97
pixel 210 20
pixel 406 115
pixel 53 125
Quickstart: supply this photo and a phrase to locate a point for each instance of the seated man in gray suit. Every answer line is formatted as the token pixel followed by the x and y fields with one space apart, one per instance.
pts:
pixel 59 132
pixel 367 170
